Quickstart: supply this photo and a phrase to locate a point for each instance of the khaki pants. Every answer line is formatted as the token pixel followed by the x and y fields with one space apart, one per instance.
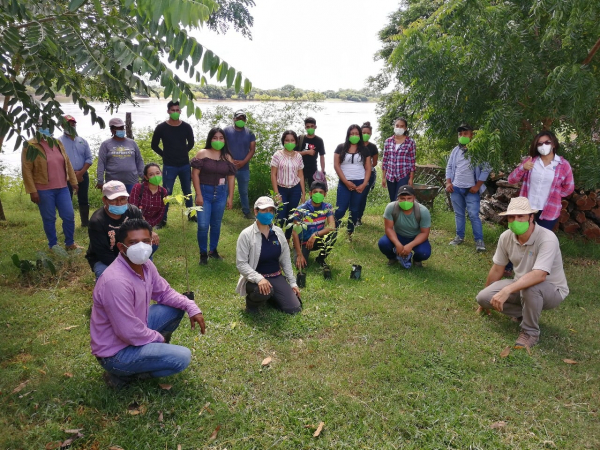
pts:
pixel 527 303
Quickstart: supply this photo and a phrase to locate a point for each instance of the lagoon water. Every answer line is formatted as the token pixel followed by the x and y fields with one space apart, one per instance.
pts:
pixel 332 122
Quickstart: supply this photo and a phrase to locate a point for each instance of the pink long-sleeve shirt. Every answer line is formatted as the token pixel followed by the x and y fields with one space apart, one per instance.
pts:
pixel 121 303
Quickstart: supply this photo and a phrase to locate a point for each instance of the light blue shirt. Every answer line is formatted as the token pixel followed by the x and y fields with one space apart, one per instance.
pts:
pixel 78 151
pixel 464 177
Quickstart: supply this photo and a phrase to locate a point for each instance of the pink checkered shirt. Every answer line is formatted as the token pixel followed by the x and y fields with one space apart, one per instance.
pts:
pixel 398 164
pixel 562 186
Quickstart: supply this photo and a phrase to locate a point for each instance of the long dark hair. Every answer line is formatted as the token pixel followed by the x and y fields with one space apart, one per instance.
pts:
pixel 211 134
pixel 533 151
pixel 362 148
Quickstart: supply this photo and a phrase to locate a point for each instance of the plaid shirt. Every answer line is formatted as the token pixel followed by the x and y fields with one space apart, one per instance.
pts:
pixel 151 205
pixel 398 164
pixel 562 186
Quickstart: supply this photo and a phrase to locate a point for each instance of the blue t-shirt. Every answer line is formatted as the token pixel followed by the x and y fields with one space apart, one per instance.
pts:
pixel 239 144
pixel 270 251
pixel 313 218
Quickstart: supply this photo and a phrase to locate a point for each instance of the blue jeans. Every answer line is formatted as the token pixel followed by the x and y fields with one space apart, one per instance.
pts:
pixel 243 180
pixel 347 199
pixel 83 191
pixel 290 198
pixel 215 200
pixel 154 359
pixel 393 187
pixel 363 203
pixel 421 251
pixel 170 174
pixel 50 201
pixel 462 199
pixel 99 268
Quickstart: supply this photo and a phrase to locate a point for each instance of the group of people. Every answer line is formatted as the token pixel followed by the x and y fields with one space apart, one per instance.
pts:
pixel 128 334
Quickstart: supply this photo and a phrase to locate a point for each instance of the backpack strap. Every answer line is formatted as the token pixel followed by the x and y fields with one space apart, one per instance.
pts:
pixel 416 209
pixel 301 142
pixel 396 212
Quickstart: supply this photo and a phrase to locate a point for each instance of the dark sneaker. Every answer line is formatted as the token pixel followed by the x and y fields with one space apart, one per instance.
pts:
pixel 161 225
pixel 457 240
pixel 249 216
pixel 358 222
pixel 392 261
pixel 526 341
pixel 203 259
pixel 479 246
pixel 215 255
pixel 418 263
pixel 114 381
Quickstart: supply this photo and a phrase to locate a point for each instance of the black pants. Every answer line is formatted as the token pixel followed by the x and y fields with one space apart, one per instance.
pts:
pixel 323 245
pixel 281 296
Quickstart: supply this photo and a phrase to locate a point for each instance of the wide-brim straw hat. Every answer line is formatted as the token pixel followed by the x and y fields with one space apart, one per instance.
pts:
pixel 517 206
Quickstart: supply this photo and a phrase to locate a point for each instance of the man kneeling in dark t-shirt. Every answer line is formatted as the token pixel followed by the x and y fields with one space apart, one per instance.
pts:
pixel 104 224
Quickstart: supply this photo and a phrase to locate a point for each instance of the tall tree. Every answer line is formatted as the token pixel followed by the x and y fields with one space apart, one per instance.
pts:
pixel 511 68
pixel 104 50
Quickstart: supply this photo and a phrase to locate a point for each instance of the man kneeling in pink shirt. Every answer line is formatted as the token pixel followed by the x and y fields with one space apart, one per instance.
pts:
pixel 129 336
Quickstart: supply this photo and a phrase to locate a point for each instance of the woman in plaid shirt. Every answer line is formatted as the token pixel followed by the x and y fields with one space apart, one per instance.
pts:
pixel 546 177
pixel 398 164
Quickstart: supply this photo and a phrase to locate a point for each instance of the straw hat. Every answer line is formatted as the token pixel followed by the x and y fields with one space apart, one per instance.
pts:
pixel 518 205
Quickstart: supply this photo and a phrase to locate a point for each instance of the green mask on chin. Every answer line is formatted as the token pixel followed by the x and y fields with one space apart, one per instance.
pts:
pixel 518 228
pixel 366 137
pixel 354 139
pixel 217 145
pixel 318 198
pixel 240 123
pixel 405 205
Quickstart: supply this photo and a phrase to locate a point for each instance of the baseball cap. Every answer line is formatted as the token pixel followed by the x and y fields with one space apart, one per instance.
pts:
pixel 70 118
pixel 464 127
pixel 116 122
pixel 114 189
pixel 406 190
pixel 239 113
pixel 264 202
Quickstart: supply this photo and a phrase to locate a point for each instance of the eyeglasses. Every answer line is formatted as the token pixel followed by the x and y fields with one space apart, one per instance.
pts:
pixel 539 144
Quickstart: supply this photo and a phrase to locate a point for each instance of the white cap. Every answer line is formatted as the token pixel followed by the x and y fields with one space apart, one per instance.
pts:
pixel 116 122
pixel 264 203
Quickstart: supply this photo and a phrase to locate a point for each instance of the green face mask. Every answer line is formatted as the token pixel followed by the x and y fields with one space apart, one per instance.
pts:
pixel 217 145
pixel 354 139
pixel 310 131
pixel 406 205
pixel 366 137
pixel 464 140
pixel 518 227
pixel 155 180
pixel 240 123
pixel 174 115
pixel 317 198
pixel 289 146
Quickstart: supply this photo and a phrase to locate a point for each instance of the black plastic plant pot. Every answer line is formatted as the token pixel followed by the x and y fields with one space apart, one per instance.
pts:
pixel 189 295
pixel 301 280
pixel 327 273
pixel 356 271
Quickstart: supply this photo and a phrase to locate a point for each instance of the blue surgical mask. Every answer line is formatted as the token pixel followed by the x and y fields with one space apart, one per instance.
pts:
pixel 265 218
pixel 120 133
pixel 117 210
pixel 44 131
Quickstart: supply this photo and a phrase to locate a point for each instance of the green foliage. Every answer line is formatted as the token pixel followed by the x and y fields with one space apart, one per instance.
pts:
pixel 267 121
pixel 509 68
pixel 104 50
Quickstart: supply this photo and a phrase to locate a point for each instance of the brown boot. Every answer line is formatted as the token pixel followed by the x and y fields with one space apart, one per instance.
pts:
pixel 84 213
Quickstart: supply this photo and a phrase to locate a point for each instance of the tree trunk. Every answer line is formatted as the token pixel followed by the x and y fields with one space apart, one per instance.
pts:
pixel 570 226
pixel 2 216
pixel 590 230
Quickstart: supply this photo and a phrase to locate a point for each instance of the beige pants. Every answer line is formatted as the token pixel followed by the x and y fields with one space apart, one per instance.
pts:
pixel 527 303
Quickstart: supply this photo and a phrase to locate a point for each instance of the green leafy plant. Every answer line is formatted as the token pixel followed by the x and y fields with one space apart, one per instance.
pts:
pixel 27 266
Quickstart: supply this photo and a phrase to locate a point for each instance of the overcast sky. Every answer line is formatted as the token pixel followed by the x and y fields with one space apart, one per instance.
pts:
pixel 320 45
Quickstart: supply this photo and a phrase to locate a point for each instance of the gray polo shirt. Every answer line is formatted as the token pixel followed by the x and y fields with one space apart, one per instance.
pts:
pixel 540 252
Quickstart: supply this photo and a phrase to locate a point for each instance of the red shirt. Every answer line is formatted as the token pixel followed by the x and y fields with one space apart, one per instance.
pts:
pixel 151 205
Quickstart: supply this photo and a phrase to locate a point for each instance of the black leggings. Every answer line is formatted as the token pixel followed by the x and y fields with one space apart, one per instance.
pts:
pixel 281 296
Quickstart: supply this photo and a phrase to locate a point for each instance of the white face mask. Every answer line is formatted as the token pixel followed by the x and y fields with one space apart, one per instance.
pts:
pixel 139 253
pixel 544 149
pixel 399 131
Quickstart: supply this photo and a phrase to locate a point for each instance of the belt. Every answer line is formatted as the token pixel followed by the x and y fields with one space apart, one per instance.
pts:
pixel 272 275
pixel 287 187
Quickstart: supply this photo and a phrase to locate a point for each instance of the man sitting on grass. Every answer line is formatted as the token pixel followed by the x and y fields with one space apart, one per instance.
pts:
pixel 318 218
pixel 406 230
pixel 130 336
pixel 539 282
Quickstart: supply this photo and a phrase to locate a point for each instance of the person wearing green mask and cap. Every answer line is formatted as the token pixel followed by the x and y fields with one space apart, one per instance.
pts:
pixel 177 139
pixel 242 145
pixel 311 146
pixel 317 227
pixel 466 182
pixel 367 132
pixel 539 281
pixel 406 236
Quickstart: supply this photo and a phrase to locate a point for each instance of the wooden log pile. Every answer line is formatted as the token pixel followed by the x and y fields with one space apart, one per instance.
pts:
pixel 580 213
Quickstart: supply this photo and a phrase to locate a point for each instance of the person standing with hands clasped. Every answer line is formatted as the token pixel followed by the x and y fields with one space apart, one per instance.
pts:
pixel 465 184
pixel 352 163
pixel 287 178
pixel 398 163
pixel 367 132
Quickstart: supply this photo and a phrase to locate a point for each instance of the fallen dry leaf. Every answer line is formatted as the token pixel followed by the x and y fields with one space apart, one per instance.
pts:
pixel 266 361
pixel 20 387
pixel 73 431
pixel 134 409
pixel 309 426
pixel 205 408
pixel 43 372
pixel 570 361
pixel 178 446
pixel 166 387
pixel 26 394
pixel 115 447
pixel 160 416
pixel 68 374
pixel 70 328
pixel 233 325
pixel 52 445
pixel 214 434
pixel 319 429
pixel 505 352
pixel 497 425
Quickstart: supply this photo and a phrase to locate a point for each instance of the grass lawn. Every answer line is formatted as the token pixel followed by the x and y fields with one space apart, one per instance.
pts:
pixel 397 359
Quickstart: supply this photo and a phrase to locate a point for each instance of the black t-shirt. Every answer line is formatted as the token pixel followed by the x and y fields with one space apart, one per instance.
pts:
pixel 270 251
pixel 102 230
pixel 176 143
pixel 373 151
pixel 310 162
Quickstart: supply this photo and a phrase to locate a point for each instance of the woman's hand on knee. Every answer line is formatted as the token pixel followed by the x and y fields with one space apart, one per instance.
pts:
pixel 264 287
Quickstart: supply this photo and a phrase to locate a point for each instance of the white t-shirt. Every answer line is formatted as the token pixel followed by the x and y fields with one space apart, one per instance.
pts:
pixel 352 165
pixel 541 183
